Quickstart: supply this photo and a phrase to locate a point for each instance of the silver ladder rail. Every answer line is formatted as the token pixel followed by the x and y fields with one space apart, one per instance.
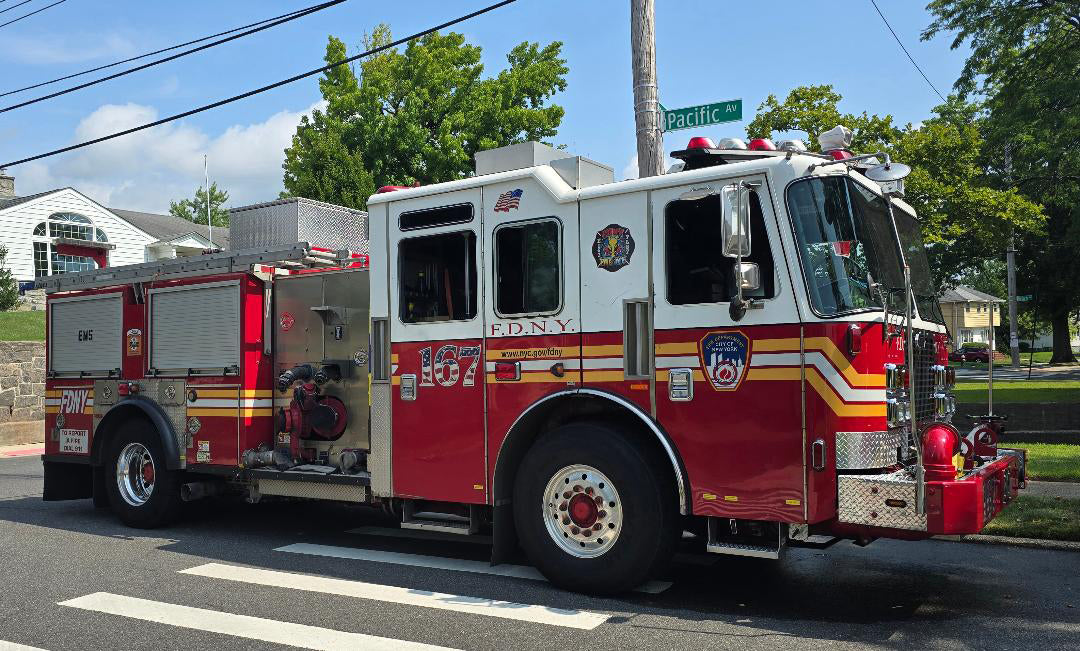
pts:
pixel 299 255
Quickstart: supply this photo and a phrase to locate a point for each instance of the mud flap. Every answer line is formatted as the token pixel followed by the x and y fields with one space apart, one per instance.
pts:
pixel 67 481
pixel 504 543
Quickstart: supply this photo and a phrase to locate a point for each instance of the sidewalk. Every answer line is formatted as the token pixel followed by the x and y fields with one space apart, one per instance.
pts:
pixel 30 449
pixel 1064 489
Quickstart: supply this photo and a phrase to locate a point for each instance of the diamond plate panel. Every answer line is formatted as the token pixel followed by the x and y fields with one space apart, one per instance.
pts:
pixel 864 450
pixel 313 490
pixel 862 501
pixel 176 413
pixel 381 439
pixel 289 221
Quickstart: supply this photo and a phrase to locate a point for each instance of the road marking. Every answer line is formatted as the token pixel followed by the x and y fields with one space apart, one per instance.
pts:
pixel 420 534
pixel 12 646
pixel 12 451
pixel 407 596
pixel 252 628
pixel 439 563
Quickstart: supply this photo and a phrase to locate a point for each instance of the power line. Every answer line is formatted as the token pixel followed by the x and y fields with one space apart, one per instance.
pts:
pixel 143 56
pixel 263 89
pixel 32 13
pixel 901 44
pixel 294 16
pixel 2 11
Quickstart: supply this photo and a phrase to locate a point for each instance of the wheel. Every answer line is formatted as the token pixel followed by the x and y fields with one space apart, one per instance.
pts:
pixel 142 492
pixel 592 513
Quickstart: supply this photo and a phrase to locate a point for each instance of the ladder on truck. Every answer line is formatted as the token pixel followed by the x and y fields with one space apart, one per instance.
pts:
pixel 298 256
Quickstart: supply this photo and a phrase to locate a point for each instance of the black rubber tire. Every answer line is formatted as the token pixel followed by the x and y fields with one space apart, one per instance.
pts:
pixel 650 530
pixel 164 503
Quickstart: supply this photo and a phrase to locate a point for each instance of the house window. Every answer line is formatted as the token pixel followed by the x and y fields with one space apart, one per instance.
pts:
pixel 41 259
pixel 528 278
pixel 66 225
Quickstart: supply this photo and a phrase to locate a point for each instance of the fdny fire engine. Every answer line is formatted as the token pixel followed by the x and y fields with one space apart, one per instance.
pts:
pixel 747 348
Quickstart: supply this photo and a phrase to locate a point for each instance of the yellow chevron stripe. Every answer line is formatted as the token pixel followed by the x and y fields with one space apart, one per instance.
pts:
pixel 829 349
pixel 821 386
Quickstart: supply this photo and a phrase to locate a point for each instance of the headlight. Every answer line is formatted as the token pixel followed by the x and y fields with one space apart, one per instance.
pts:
pixel 895 376
pixel 950 377
pixel 938 375
pixel 897 411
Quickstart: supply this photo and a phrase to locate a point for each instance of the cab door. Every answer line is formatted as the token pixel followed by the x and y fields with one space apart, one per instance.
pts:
pixel 727 390
pixel 437 347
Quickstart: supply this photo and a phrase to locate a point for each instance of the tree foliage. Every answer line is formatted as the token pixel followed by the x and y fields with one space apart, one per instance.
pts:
pixel 194 210
pixel 1024 67
pixel 965 219
pixel 418 115
pixel 9 287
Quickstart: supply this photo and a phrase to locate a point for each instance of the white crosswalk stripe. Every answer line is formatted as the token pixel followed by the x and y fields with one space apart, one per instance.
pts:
pixel 14 646
pixel 406 596
pixel 245 626
pixel 438 563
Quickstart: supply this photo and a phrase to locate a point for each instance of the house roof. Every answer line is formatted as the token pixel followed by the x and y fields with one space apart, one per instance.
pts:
pixel 169 227
pixel 11 202
pixel 965 294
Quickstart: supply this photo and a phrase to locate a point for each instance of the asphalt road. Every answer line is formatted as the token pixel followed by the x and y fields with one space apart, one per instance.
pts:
pixel 72 577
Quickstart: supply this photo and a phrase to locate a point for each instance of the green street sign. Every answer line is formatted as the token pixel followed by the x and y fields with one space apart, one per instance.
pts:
pixel 699 116
pixel 1024 298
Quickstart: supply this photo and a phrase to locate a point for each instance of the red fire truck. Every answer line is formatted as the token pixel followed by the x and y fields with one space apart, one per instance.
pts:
pixel 747 348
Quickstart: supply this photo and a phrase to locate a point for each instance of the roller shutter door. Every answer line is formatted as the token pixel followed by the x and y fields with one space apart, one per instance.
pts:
pixel 85 334
pixel 195 327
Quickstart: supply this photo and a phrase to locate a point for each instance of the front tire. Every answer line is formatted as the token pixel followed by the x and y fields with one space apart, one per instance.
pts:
pixel 592 512
pixel 142 492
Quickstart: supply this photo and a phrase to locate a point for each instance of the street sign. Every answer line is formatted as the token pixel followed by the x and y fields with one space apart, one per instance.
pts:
pixel 1021 299
pixel 699 116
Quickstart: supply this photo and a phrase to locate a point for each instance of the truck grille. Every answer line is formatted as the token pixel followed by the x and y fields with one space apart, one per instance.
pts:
pixel 923 357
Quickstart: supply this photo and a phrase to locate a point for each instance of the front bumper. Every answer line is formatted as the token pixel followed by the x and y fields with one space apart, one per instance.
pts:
pixel 960 506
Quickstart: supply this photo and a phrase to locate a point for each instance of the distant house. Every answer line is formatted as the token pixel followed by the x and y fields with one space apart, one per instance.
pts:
pixel 967 313
pixel 64 231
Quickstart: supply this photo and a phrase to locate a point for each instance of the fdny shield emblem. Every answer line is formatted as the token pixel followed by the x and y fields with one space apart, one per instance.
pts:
pixel 724 356
pixel 613 247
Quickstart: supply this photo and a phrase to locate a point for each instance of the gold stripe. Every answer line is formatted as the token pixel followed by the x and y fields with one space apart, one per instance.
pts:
pixel 250 413
pixel 604 376
pixel 613 350
pixel 530 378
pixel 393 358
pixel 395 380
pixel 52 410
pixel 224 412
pixel 663 375
pixel 680 348
pixel 829 349
pixel 869 410
pixel 256 393
pixel 774 373
pixel 56 393
pixel 500 354
pixel 214 393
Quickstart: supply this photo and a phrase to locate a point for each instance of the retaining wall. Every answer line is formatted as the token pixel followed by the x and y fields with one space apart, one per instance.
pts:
pixel 22 392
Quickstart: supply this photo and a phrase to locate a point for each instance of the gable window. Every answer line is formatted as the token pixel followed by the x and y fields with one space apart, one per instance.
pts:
pixel 64 225
pixel 697 271
pixel 437 277
pixel 528 268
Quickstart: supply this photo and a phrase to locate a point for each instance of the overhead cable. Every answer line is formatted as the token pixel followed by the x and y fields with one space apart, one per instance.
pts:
pixel 263 89
pixel 71 89
pixel 38 11
pixel 2 11
pixel 901 44
pixel 143 56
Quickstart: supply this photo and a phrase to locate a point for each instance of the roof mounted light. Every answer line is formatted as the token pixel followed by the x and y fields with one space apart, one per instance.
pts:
pixel 732 143
pixel 700 142
pixel 839 137
pixel 761 144
pixel 840 154
pixel 792 144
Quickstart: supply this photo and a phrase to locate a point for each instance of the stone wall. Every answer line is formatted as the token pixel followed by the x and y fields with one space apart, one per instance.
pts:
pixel 22 381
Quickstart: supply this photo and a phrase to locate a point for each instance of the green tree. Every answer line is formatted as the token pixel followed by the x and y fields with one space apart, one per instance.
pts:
pixel 965 219
pixel 1025 68
pixel 194 210
pixel 9 287
pixel 418 115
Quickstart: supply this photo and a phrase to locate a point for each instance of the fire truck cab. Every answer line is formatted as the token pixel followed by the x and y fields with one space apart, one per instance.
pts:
pixel 748 349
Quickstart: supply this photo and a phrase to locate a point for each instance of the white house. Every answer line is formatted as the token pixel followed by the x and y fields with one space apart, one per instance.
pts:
pixel 63 231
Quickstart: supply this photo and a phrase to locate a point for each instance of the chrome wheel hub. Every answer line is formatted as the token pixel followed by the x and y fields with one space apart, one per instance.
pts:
pixel 582 511
pixel 135 474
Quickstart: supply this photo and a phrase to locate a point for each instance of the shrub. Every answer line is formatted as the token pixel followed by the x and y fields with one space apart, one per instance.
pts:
pixel 9 287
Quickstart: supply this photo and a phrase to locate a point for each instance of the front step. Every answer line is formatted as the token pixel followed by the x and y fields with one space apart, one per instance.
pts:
pixel 411 518
pixel 755 539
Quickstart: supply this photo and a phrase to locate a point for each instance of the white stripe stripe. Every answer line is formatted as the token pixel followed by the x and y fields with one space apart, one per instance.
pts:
pixel 438 563
pixel 538 364
pixel 252 628
pixel 52 402
pixel 677 362
pixel 602 363
pixel 12 646
pixel 821 363
pixel 213 402
pixel 407 596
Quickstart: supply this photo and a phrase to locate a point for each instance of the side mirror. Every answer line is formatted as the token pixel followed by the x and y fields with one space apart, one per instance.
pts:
pixel 748 275
pixel 736 221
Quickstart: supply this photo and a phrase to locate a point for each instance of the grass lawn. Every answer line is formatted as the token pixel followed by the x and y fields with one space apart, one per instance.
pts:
pixel 1049 518
pixel 974 392
pixel 1051 461
pixel 1042 357
pixel 22 326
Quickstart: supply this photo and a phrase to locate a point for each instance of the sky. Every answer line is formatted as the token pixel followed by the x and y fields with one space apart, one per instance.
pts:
pixel 707 51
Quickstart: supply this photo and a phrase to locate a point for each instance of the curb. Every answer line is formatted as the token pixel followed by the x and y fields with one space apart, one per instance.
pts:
pixel 1031 543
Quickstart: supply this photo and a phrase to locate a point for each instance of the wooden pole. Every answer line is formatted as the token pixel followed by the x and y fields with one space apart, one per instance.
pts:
pixel 650 140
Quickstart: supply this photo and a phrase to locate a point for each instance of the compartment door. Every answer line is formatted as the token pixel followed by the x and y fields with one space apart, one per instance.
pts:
pixel 85 334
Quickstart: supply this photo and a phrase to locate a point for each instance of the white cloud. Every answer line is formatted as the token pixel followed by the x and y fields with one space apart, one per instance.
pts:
pixel 631 169
pixel 147 169
pixel 51 49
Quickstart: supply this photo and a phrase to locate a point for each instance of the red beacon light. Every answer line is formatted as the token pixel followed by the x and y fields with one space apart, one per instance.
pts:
pixel 700 142
pixel 761 144
pixel 839 154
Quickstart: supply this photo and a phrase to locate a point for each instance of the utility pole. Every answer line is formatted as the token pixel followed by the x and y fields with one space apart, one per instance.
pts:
pixel 650 140
pixel 1014 341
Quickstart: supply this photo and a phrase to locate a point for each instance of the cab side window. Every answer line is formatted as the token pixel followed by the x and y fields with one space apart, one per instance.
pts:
pixel 528 269
pixel 437 277
pixel 697 271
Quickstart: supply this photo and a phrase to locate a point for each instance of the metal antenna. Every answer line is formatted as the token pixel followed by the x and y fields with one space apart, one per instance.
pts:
pixel 209 220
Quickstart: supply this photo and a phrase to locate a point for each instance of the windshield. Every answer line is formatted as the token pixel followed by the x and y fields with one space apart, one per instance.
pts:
pixel 922 284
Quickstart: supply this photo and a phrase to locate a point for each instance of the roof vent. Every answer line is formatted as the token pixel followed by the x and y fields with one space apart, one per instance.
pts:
pixel 577 171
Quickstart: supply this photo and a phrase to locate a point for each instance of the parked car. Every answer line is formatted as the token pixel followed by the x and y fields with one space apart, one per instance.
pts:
pixel 970 355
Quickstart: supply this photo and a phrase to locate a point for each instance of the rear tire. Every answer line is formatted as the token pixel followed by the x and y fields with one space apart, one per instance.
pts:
pixel 142 492
pixel 593 512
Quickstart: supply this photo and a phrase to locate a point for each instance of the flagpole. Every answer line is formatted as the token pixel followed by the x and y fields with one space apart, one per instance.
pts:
pixel 209 220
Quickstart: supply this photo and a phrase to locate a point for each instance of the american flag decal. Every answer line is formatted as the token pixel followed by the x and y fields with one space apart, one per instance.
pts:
pixel 507 200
